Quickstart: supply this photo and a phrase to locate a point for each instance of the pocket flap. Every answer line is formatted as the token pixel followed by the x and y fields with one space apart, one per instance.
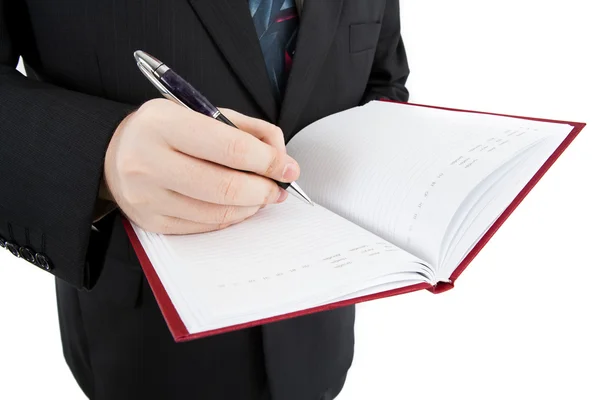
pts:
pixel 364 36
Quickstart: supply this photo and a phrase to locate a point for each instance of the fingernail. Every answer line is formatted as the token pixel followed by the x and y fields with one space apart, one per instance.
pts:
pixel 282 195
pixel 290 172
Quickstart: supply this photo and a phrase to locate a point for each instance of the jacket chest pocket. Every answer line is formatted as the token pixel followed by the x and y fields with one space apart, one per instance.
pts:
pixel 364 36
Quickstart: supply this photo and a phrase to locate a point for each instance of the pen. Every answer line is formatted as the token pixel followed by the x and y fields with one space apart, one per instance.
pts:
pixel 175 88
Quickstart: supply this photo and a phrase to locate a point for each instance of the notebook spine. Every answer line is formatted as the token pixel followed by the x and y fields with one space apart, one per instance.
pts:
pixel 441 287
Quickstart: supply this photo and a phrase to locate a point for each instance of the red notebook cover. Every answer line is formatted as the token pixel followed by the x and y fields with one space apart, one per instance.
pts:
pixel 181 334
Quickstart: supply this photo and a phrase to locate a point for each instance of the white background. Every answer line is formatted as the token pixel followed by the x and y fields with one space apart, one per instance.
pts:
pixel 522 321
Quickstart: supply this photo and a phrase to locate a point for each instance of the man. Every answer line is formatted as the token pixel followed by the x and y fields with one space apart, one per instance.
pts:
pixel 81 135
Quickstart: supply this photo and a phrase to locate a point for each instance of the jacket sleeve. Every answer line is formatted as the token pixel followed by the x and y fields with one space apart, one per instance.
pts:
pixel 390 71
pixel 52 147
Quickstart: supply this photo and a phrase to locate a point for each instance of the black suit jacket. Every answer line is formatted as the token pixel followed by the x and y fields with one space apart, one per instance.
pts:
pixel 82 81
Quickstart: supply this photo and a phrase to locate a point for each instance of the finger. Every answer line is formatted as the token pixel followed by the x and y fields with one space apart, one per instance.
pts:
pixel 190 209
pixel 213 183
pixel 260 129
pixel 177 226
pixel 211 140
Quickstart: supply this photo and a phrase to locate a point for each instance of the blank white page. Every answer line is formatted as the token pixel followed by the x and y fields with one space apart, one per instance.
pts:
pixel 402 171
pixel 493 202
pixel 286 258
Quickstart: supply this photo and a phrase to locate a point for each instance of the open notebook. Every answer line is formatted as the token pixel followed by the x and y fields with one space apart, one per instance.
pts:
pixel 406 195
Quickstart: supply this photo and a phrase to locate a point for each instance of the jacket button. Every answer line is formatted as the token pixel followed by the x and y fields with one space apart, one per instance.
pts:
pixel 2 242
pixel 14 250
pixel 27 254
pixel 43 262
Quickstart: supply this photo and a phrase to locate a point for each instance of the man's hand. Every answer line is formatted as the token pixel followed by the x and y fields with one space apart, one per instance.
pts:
pixel 175 171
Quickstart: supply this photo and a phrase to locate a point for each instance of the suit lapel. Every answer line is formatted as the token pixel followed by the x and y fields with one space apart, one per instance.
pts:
pixel 318 25
pixel 230 25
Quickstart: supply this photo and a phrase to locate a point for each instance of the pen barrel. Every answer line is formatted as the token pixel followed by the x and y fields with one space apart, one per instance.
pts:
pixel 187 94
pixel 283 185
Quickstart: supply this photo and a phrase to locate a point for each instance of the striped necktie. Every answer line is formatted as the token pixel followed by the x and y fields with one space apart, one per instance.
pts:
pixel 276 23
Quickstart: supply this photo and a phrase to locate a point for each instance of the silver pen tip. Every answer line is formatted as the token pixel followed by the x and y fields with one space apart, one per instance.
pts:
pixel 297 189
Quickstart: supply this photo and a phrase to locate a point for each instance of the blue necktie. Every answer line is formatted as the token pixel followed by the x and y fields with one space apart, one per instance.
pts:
pixel 276 23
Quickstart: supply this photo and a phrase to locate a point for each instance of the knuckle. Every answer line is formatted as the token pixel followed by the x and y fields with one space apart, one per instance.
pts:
pixel 237 150
pixel 130 165
pixel 148 109
pixel 150 113
pixel 131 171
pixel 229 189
pixel 227 214
pixel 153 104
pixel 273 162
pixel 272 195
pixel 274 132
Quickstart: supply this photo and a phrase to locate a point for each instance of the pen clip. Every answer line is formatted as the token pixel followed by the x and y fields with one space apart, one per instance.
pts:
pixel 147 71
